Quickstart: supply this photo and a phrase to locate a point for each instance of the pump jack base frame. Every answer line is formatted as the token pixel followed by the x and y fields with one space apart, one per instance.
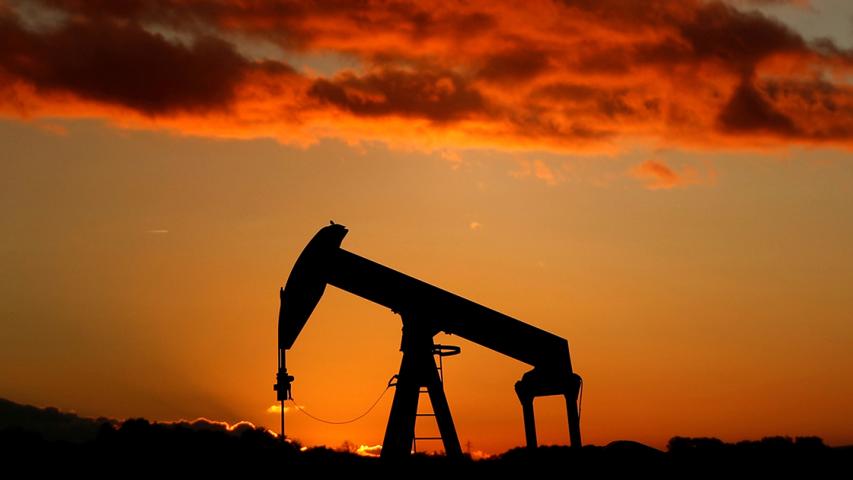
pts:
pixel 417 370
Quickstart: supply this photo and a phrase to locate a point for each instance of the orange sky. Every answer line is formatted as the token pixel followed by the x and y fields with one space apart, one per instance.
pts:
pixel 667 187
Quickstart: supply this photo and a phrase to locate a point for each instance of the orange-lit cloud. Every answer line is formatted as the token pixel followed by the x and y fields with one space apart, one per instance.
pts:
pixel 202 423
pixel 276 409
pixel 537 169
pixel 479 455
pixel 542 74
pixel 369 450
pixel 658 176
pixel 207 424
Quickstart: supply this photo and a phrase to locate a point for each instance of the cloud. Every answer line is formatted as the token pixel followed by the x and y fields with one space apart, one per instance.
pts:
pixel 518 64
pixel 369 450
pixel 748 110
pixel 276 409
pixel 658 176
pixel 537 169
pixel 205 424
pixel 479 455
pixel 438 96
pixel 123 64
pixel 547 75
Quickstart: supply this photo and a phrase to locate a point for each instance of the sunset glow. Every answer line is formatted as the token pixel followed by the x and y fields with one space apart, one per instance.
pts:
pixel 666 184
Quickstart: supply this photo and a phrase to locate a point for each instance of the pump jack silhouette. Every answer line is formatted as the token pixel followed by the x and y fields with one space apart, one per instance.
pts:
pixel 425 311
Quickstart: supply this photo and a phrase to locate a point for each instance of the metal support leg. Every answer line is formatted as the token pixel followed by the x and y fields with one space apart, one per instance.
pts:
pixel 401 423
pixel 442 416
pixel 574 419
pixel 529 420
pixel 417 369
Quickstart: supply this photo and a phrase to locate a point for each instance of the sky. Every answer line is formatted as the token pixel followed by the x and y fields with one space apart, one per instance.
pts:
pixel 666 184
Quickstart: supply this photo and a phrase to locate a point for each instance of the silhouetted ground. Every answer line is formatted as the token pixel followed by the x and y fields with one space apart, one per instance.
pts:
pixel 47 441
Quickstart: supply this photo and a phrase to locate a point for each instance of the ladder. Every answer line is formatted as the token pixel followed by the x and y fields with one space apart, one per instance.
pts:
pixel 439 351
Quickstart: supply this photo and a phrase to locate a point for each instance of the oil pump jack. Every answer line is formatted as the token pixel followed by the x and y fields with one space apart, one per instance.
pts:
pixel 425 311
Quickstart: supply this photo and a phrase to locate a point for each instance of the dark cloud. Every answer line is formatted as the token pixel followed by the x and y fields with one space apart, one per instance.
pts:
pixel 434 95
pixel 517 64
pixel 123 64
pixel 736 38
pixel 828 106
pixel 609 102
pixel 559 73
pixel 749 111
